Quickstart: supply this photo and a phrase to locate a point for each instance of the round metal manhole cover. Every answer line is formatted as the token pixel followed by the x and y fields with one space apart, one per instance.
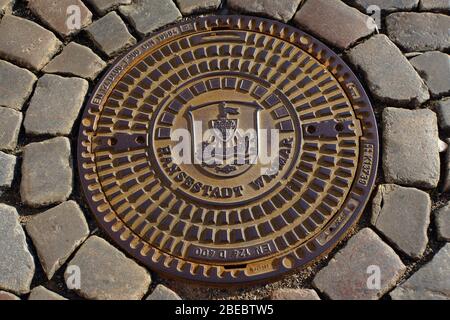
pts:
pixel 227 150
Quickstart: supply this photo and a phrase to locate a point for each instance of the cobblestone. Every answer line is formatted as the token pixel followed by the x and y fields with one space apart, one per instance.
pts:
pixel 148 15
pixel 121 278
pixel 163 293
pixel 46 172
pixel 443 110
pixel 16 85
pixel 40 293
pixel 56 234
pixel 345 276
pixel 385 5
pixel 403 216
pixel 419 31
pixel 294 294
pixel 411 147
pixel 188 7
pixel 110 34
pixel 62 16
pixel 10 122
pixel 282 10
pixel 434 5
pixel 434 67
pixel 334 21
pixel 26 43
pixel 16 264
pixel 401 86
pixel 104 6
pixel 7 167
pixel 76 60
pixel 55 105
pixel 7 296
pixel 432 281
pixel 443 223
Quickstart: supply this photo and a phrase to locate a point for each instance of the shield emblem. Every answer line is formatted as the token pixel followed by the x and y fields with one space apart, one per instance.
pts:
pixel 225 137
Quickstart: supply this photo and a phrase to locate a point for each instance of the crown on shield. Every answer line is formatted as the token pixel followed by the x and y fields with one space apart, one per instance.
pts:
pixel 223 124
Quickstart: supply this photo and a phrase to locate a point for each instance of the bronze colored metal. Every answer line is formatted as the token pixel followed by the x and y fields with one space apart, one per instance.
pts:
pixel 229 224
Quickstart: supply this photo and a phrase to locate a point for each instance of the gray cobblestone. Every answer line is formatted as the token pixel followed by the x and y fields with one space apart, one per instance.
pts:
pixel 333 21
pixel 434 67
pixel 26 43
pixel 385 5
pixel 163 293
pixel 410 147
pixel 110 34
pixel 443 223
pixel 59 17
pixel 46 172
pixel 16 85
pixel 76 60
pixel 294 294
pixel 399 86
pixel 188 7
pixel 443 110
pixel 403 216
pixel 282 10
pixel 435 5
pixel 345 276
pixel 104 6
pixel 7 167
pixel 148 15
pixel 56 233
pixel 16 264
pixel 55 105
pixel 432 281
pixel 120 278
pixel 414 31
pixel 10 122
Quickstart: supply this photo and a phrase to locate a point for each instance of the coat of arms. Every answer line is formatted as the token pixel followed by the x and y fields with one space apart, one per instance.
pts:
pixel 225 137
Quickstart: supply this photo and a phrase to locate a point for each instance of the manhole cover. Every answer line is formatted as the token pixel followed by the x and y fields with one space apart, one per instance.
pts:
pixel 228 149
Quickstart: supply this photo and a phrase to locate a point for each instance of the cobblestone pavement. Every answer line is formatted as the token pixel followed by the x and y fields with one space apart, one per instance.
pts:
pixel 47 70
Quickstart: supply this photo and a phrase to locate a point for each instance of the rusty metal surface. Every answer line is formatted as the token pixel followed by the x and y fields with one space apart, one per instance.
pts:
pixel 229 224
